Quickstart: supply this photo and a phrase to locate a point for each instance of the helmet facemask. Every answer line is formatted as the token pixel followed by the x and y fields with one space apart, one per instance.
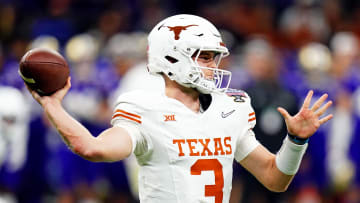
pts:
pixel 199 78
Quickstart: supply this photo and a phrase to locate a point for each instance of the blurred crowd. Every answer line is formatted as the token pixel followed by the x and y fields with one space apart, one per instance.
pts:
pixel 279 49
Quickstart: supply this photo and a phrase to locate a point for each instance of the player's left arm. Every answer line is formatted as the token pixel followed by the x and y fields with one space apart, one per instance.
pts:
pixel 261 163
pixel 276 171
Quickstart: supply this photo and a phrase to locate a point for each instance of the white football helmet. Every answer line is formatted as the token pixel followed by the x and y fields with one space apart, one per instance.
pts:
pixel 174 41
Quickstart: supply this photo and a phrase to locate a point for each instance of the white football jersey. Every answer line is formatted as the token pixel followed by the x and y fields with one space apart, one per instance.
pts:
pixel 186 156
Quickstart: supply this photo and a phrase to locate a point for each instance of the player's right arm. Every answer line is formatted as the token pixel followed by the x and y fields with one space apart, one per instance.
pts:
pixel 112 144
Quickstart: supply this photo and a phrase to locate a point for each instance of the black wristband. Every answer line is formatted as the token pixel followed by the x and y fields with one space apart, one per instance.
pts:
pixel 297 140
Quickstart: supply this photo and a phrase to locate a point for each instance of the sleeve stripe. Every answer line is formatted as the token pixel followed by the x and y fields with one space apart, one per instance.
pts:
pixel 128 117
pixel 251 119
pixel 127 113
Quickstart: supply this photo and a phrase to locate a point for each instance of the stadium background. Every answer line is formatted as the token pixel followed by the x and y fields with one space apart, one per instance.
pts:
pixel 279 50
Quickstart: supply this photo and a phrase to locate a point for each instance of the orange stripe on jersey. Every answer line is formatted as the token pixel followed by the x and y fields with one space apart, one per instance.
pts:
pixel 251 119
pixel 251 114
pixel 127 113
pixel 128 117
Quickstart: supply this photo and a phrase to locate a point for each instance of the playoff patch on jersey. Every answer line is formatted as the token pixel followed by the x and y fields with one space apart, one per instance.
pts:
pixel 238 95
pixel 127 116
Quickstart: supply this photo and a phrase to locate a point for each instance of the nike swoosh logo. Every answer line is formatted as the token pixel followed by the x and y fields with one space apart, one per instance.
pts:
pixel 224 115
pixel 199 35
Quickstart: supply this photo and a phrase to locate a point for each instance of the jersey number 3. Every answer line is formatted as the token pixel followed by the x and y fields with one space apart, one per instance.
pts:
pixel 211 165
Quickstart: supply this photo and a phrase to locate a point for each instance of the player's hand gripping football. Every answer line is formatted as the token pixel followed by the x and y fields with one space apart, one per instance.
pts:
pixel 305 123
pixel 55 97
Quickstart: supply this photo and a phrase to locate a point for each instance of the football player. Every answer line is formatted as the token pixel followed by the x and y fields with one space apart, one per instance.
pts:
pixel 14 141
pixel 186 137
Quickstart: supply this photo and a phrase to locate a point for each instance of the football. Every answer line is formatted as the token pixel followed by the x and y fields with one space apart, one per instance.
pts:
pixel 44 70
